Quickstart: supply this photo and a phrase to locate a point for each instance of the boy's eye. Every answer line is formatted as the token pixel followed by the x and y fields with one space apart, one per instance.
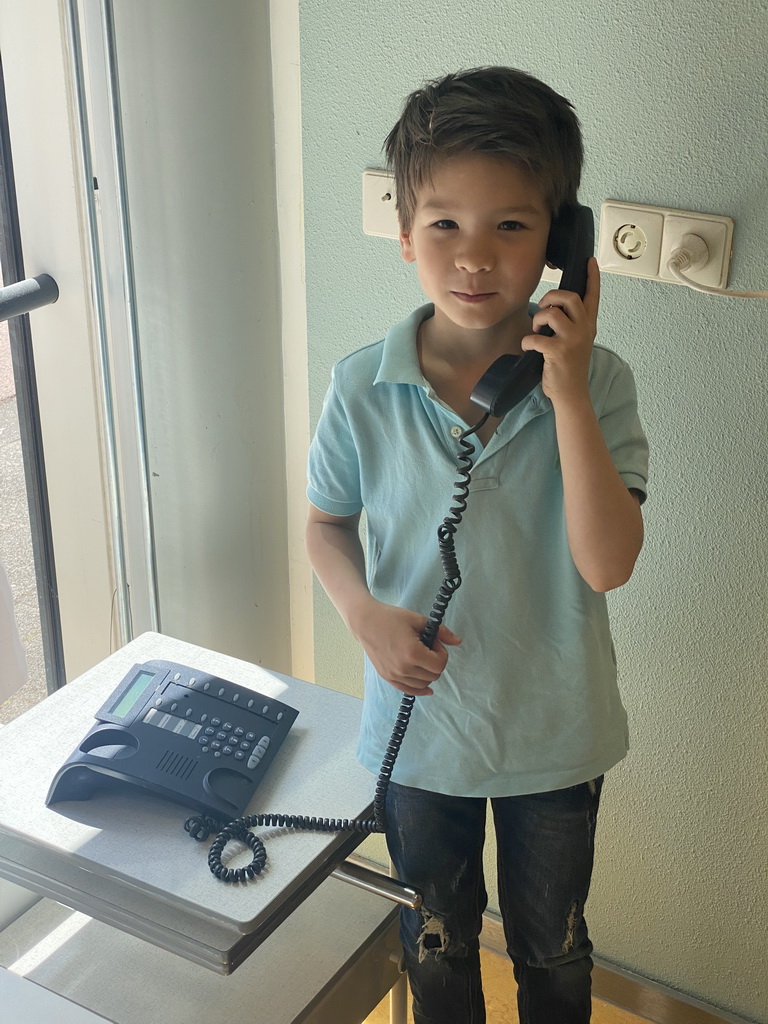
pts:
pixel 511 225
pixel 444 224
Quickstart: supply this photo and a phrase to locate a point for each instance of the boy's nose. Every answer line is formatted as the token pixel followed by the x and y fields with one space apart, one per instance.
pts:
pixel 473 259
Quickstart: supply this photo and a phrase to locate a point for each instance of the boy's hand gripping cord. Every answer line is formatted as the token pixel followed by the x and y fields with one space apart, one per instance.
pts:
pixel 201 826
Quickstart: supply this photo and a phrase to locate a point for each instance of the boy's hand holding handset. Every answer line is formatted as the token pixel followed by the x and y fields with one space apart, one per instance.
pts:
pixel 568 353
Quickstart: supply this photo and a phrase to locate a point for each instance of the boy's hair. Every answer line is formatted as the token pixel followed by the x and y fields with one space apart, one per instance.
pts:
pixel 493 110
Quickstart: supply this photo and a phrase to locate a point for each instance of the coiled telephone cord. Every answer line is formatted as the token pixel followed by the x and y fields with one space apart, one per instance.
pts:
pixel 200 826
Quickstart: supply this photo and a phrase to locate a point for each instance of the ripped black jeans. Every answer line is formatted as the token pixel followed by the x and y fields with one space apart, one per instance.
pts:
pixel 545 845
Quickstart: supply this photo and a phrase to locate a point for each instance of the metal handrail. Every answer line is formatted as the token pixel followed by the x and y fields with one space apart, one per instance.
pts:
pixel 25 296
pixel 357 874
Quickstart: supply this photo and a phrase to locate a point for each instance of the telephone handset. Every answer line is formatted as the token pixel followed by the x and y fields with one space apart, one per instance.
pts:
pixel 510 378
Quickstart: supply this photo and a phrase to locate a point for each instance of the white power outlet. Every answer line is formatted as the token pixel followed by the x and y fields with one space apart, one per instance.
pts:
pixel 638 241
pixel 379 196
pixel 717 232
pixel 630 239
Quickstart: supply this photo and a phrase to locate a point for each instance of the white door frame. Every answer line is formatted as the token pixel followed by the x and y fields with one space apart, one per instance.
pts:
pixel 54 239
pixel 54 206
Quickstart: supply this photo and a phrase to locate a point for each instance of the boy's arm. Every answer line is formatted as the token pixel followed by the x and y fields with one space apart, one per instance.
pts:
pixel 603 518
pixel 389 635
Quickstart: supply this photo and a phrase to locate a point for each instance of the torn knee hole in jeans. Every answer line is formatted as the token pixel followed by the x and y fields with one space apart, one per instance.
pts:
pixel 433 938
pixel 570 925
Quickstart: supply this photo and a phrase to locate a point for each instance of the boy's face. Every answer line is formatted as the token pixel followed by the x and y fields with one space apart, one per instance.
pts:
pixel 479 237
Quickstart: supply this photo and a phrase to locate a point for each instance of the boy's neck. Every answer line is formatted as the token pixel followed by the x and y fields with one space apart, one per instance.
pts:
pixel 453 359
pixel 467 348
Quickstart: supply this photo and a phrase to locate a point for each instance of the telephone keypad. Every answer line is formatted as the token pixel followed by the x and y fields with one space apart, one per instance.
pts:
pixel 219 738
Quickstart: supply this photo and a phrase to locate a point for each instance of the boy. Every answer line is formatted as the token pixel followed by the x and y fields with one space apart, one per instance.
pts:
pixel 522 708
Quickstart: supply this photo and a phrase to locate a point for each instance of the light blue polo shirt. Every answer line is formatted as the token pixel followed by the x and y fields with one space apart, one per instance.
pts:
pixel 529 702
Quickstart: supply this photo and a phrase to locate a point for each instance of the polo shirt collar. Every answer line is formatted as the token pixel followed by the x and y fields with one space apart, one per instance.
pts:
pixel 399 358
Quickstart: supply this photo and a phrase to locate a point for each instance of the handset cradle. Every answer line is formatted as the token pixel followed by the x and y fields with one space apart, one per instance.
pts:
pixel 511 378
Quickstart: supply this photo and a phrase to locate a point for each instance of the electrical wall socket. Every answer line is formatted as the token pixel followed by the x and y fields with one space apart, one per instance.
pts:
pixel 638 241
pixel 630 239
pixel 717 232
pixel 379 197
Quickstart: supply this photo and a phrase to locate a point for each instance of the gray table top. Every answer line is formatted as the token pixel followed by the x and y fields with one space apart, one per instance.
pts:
pixel 125 859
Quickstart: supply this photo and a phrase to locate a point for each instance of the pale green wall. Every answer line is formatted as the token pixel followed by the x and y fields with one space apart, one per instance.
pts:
pixel 673 100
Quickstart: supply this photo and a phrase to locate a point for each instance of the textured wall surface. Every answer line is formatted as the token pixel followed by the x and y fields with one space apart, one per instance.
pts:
pixel 672 98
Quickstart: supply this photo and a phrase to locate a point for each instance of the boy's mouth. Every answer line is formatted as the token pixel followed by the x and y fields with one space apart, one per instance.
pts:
pixel 473 296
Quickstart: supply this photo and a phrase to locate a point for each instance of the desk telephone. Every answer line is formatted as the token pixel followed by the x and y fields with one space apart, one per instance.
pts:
pixel 177 717
pixel 184 735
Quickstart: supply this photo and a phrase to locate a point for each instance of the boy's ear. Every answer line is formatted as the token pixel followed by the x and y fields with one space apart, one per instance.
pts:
pixel 406 247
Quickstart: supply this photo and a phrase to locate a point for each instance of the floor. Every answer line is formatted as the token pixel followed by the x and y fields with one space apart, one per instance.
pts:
pixel 501 1003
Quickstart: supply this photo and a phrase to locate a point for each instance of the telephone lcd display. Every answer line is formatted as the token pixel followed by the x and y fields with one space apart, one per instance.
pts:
pixel 131 696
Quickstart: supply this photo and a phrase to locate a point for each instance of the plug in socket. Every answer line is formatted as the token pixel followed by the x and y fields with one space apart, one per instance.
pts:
pixel 717 232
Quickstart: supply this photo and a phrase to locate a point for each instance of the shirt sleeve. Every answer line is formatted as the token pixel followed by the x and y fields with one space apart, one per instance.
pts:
pixel 623 432
pixel 333 471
